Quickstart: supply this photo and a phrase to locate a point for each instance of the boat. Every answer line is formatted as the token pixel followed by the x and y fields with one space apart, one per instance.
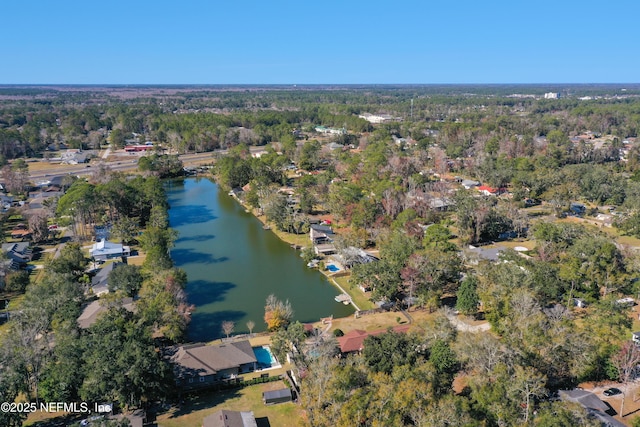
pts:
pixel 266 227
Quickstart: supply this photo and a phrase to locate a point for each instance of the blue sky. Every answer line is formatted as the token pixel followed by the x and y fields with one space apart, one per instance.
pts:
pixel 319 42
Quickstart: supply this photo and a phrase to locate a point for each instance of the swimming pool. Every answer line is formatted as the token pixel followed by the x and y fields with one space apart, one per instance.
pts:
pixel 332 268
pixel 266 359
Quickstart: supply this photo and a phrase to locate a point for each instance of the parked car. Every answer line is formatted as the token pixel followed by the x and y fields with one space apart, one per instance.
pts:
pixel 612 391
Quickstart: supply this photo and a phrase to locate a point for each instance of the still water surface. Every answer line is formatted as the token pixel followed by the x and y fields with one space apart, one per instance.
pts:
pixel 233 264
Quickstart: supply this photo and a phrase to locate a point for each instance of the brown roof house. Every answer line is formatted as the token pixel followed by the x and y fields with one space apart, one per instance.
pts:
pixel 96 308
pixel 224 418
pixel 353 341
pixel 200 365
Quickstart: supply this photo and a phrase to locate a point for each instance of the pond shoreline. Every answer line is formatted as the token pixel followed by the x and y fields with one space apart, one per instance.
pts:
pixel 233 264
pixel 282 236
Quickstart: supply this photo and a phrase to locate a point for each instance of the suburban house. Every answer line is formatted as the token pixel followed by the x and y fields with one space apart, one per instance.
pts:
pixel 258 154
pixel 94 309
pixel 475 254
pixel 104 250
pixel 6 201
pixel 577 208
pixel 225 418
pixel 320 233
pixel 20 231
pixel 100 282
pixel 592 403
pixel 487 191
pixel 440 203
pixel 102 232
pixel 635 337
pixel 18 254
pixel 353 341
pixel 38 200
pixel 468 183
pixel 351 256
pixel 200 365
pixel 332 131
pixel 324 249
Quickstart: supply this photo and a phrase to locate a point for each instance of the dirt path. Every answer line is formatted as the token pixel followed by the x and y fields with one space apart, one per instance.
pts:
pixel 464 327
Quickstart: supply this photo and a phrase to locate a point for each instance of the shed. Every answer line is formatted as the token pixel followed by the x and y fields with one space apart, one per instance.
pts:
pixel 277 396
pixel 226 418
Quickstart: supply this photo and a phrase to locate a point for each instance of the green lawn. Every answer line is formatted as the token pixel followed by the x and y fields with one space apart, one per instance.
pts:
pixel 358 297
pixel 196 408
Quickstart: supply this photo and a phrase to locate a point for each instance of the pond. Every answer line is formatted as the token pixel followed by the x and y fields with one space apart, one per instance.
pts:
pixel 233 264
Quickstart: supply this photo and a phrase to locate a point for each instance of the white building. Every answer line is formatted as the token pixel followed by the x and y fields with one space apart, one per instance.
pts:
pixel 376 118
pixel 551 95
pixel 104 250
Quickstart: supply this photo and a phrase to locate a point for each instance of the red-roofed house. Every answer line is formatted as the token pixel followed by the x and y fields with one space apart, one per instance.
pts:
pixel 353 341
pixel 487 191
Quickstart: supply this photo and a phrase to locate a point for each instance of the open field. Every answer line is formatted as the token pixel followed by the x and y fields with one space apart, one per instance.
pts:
pixel 196 408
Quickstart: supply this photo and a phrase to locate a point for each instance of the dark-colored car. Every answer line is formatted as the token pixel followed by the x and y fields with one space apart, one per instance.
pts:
pixel 612 391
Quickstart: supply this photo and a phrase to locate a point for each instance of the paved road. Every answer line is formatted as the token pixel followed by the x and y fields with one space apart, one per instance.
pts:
pixel 124 164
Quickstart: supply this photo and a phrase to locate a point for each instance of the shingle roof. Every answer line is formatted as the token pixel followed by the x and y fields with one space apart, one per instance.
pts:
pixel 100 281
pixel 354 340
pixel 225 418
pixel 204 359
pixel 92 311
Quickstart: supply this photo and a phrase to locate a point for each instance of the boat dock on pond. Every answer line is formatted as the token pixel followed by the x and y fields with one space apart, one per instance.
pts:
pixel 343 298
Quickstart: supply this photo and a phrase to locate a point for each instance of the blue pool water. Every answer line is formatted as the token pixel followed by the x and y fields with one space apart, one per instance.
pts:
pixel 264 356
pixel 332 268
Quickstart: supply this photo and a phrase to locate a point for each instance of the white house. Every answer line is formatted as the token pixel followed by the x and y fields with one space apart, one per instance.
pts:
pixel 104 250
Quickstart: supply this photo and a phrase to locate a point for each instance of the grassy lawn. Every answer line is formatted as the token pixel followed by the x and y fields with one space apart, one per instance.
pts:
pixel 370 322
pixel 295 239
pixel 613 232
pixel 138 259
pixel 358 297
pixel 196 408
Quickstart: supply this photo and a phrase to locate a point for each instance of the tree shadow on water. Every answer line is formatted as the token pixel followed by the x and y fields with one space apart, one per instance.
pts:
pixel 208 326
pixel 191 214
pixel 198 238
pixel 203 292
pixel 185 255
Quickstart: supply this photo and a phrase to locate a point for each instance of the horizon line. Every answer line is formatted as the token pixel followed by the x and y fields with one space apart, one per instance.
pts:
pixel 323 84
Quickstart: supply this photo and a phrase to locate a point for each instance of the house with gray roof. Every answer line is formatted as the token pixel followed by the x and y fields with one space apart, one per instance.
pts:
pixel 225 418
pixel 104 250
pixel 592 403
pixel 475 254
pixel 320 233
pixel 93 310
pixel 100 282
pixel 18 254
pixel 200 365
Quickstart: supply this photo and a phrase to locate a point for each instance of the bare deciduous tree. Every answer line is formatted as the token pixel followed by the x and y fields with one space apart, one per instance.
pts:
pixel 251 324
pixel 626 360
pixel 227 327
